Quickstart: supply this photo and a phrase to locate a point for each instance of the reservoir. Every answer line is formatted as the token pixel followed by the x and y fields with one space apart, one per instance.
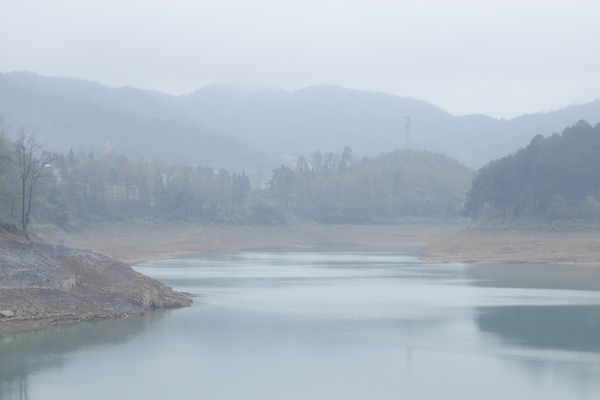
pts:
pixel 329 325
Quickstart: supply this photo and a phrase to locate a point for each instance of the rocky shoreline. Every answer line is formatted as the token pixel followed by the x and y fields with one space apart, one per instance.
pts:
pixel 43 284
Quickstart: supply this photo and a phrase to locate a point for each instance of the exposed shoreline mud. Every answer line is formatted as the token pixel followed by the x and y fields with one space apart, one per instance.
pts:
pixel 451 243
pixel 517 246
pixel 134 244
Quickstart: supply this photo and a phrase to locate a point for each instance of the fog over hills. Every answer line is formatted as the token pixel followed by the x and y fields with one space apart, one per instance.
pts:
pixel 83 115
pixel 329 117
pixel 320 117
pixel 237 128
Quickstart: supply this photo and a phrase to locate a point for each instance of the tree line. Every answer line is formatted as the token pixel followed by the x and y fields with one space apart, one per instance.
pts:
pixel 79 189
pixel 398 185
pixel 552 178
pixel 73 189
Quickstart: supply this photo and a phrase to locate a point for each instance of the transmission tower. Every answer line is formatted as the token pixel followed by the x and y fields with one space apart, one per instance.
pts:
pixel 407 125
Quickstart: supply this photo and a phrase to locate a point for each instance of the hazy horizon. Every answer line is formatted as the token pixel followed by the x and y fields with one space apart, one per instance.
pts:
pixel 266 86
pixel 501 59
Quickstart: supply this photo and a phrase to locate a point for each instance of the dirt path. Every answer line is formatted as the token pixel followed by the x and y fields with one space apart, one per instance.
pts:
pixel 132 244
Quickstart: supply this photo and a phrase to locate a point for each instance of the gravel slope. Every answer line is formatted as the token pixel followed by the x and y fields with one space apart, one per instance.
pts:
pixel 44 284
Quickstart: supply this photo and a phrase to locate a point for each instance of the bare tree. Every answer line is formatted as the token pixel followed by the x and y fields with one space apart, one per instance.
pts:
pixel 31 166
pixel 6 192
pixel 4 149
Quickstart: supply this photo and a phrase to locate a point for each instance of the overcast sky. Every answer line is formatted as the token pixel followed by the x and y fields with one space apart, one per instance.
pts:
pixel 501 58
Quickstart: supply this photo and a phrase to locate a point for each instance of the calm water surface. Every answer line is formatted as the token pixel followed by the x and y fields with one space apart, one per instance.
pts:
pixel 329 326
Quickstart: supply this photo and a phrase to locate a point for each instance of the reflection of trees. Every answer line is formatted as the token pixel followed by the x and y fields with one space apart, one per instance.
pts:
pixel 560 327
pixel 24 353
pixel 543 276
pixel 17 388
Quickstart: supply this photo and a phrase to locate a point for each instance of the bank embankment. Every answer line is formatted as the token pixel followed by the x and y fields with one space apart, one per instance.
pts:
pixel 136 243
pixel 517 246
pixel 43 284
pixel 434 242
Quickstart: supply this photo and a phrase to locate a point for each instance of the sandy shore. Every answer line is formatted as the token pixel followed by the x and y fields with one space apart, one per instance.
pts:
pixel 133 244
pixel 517 246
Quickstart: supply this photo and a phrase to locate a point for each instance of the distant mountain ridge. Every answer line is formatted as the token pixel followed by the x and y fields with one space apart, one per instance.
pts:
pixel 236 128
pixel 328 117
pixel 70 113
pixel 300 122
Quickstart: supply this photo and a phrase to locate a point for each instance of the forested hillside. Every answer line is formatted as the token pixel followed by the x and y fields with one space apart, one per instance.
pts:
pixel 79 189
pixel 552 178
pixel 392 186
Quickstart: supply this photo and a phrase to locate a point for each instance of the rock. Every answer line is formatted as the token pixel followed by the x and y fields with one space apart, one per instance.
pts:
pixel 47 282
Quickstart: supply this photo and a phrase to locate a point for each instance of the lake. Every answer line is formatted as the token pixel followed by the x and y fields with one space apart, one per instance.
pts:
pixel 329 325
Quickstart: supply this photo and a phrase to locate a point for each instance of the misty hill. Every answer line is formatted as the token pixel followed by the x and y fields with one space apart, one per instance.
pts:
pixel 329 117
pixel 235 128
pixel 71 113
pixel 320 117
pixel 554 177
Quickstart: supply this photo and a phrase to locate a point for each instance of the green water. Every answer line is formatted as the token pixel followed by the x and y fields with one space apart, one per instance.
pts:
pixel 329 326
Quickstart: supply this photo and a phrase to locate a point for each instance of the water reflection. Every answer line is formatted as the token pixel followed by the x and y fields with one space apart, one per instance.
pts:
pixel 573 328
pixel 535 276
pixel 560 327
pixel 25 353
pixel 330 325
